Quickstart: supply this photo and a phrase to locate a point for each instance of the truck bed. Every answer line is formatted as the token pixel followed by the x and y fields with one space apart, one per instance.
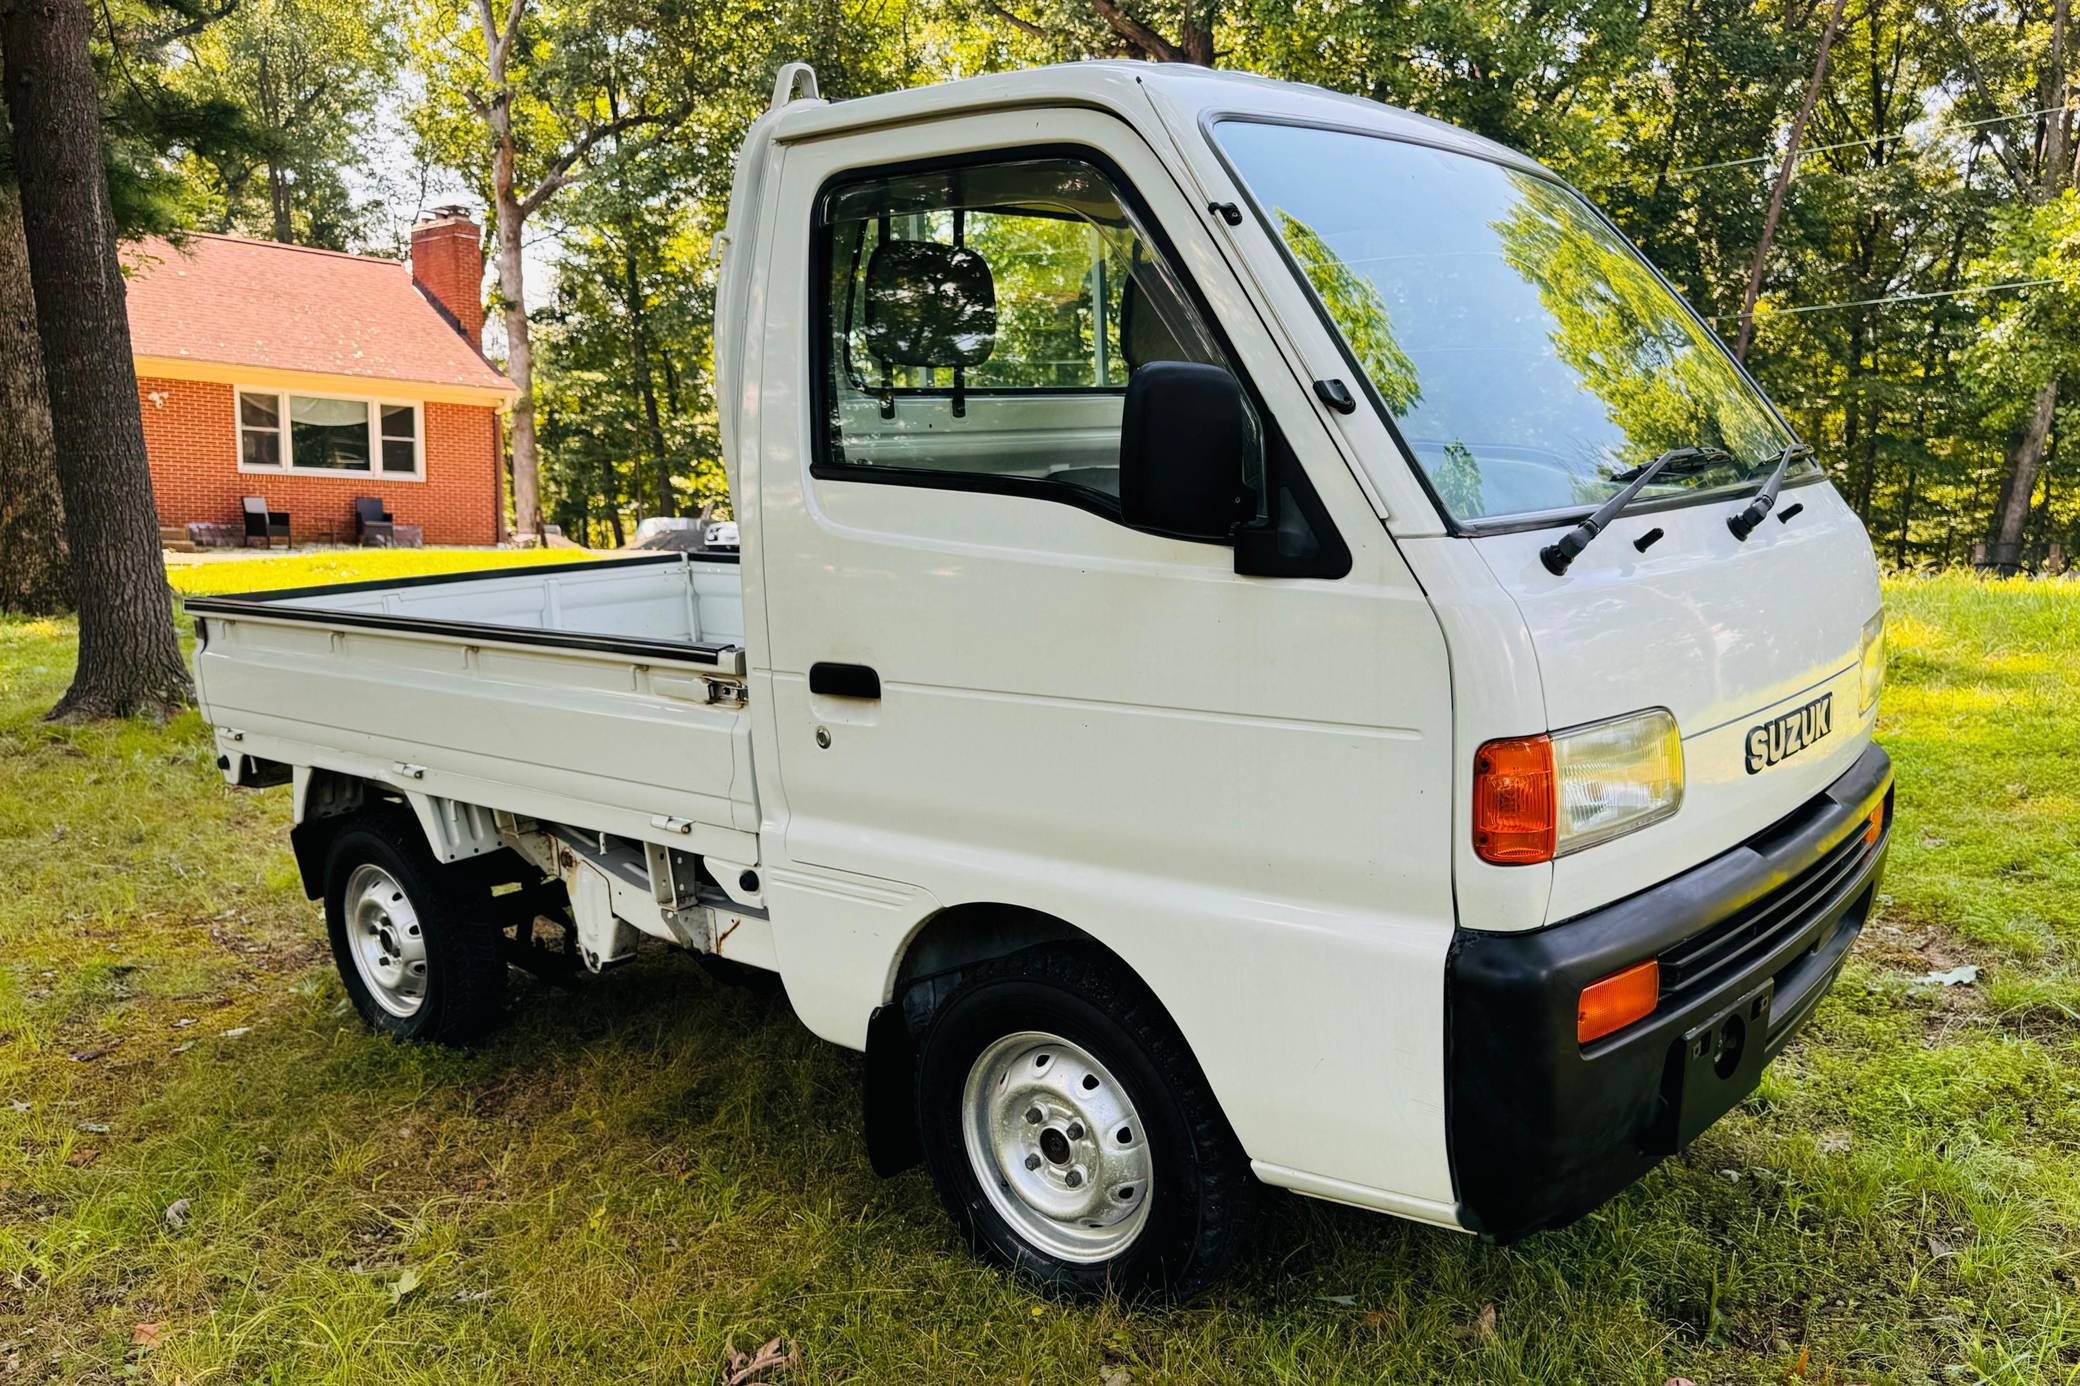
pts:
pixel 608 695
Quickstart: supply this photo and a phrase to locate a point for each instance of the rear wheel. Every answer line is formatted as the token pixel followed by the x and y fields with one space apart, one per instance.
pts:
pixel 418 962
pixel 1070 1133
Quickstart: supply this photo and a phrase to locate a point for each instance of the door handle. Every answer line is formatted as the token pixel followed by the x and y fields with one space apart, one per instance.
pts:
pixel 844 680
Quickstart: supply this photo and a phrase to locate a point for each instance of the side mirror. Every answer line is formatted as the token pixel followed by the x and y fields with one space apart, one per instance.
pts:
pixel 1186 441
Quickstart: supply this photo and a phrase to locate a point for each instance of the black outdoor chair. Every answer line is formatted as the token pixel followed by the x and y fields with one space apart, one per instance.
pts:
pixel 377 529
pixel 264 524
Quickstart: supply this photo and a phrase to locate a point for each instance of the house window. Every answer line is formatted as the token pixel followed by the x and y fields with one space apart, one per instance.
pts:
pixel 327 435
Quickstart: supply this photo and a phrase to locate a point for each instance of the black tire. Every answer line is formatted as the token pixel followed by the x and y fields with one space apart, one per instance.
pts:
pixel 465 969
pixel 1202 1195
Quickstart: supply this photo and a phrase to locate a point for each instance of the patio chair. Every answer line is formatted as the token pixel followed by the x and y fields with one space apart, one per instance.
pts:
pixel 377 529
pixel 264 524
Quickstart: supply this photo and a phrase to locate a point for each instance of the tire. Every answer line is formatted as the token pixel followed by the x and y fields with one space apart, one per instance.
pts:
pixel 1130 1182
pixel 419 962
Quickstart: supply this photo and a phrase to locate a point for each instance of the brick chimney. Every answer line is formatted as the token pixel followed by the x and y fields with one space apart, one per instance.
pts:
pixel 448 267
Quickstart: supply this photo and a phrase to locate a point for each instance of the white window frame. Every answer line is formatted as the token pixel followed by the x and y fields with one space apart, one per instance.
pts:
pixel 374 405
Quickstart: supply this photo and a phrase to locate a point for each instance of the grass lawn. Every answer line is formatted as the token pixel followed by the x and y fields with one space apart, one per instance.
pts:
pixel 214 578
pixel 210 1172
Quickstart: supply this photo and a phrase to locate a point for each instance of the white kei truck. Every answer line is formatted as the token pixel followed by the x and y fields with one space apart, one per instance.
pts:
pixel 1270 647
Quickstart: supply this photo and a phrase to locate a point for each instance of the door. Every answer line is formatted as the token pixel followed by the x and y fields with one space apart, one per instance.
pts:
pixel 988 687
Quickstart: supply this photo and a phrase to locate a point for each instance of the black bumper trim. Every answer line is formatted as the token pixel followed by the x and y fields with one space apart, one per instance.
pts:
pixel 1541 1128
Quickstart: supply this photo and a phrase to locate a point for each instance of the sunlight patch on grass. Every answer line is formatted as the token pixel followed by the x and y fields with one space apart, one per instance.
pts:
pixel 353 565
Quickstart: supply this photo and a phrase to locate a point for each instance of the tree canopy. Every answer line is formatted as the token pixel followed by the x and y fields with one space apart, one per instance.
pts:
pixel 1917 312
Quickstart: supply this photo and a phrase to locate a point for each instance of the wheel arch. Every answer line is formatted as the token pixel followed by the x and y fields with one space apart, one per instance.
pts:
pixel 927 965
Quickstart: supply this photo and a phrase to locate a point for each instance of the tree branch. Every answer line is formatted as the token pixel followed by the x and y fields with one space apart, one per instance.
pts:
pixel 1024 26
pixel 558 174
pixel 1151 43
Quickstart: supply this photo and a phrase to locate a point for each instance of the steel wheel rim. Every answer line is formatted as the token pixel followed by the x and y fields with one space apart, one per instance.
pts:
pixel 1057 1146
pixel 386 939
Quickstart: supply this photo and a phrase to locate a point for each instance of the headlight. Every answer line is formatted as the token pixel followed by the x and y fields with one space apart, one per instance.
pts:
pixel 1540 797
pixel 1873 662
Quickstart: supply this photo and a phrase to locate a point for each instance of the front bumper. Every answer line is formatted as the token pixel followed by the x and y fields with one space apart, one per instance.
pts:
pixel 1543 1128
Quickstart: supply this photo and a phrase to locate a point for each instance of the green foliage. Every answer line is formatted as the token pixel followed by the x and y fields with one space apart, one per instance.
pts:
pixel 1886 331
pixel 304 77
pixel 2030 335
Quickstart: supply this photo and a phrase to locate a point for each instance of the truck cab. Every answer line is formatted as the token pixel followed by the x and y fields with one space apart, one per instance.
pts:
pixel 1270 647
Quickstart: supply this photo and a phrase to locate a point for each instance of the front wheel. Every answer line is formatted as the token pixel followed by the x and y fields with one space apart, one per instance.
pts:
pixel 1071 1134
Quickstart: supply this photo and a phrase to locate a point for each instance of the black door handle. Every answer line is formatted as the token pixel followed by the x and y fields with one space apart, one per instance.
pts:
pixel 844 680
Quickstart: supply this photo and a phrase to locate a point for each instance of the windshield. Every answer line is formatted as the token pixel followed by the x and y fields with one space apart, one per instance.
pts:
pixel 1528 355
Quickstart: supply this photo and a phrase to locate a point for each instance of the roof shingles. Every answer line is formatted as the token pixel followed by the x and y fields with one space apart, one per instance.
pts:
pixel 259 303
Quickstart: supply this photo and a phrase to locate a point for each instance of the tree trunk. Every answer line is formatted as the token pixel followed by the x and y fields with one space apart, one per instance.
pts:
pixel 512 289
pixel 2019 483
pixel 35 578
pixel 1778 193
pixel 278 203
pixel 129 658
pixel 646 390
pixel 2026 444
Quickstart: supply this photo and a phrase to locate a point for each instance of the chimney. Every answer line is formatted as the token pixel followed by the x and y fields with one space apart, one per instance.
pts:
pixel 448 267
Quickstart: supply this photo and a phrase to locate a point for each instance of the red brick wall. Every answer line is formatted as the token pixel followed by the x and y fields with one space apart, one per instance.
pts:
pixel 191 437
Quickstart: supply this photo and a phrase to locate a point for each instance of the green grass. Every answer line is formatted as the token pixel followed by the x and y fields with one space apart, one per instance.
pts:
pixel 630 1177
pixel 215 578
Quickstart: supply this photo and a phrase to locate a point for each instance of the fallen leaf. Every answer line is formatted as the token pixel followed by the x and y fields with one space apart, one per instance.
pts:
pixel 82 1157
pixel 472 1296
pixel 740 1369
pixel 94 1128
pixel 235 1031
pixel 177 1214
pixel 1117 1376
pixel 184 1022
pixel 406 1282
pixel 1347 1301
pixel 1679 1381
pixel 1956 977
pixel 1939 1248
pixel 184 1047
pixel 1484 1323
pixel 146 1335
pixel 1834 1143
pixel 87 1056
pixel 22 1106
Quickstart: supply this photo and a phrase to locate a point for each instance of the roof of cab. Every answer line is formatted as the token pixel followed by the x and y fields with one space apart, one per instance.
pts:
pixel 1127 88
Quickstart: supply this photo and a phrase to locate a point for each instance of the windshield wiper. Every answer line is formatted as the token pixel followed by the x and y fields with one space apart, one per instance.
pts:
pixel 1765 500
pixel 1564 550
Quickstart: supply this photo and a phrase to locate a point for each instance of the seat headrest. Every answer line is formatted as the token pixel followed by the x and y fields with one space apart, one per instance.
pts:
pixel 929 305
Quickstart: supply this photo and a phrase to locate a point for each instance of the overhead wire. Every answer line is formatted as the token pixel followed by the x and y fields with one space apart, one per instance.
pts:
pixel 1872 139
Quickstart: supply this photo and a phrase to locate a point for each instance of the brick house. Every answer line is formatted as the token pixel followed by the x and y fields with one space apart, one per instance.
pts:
pixel 311 377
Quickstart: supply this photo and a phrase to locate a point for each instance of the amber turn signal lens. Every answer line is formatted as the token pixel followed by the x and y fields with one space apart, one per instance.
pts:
pixel 1513 810
pixel 1618 1000
pixel 1875 829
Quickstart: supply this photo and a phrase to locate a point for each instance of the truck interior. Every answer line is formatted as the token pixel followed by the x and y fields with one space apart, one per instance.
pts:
pixel 986 319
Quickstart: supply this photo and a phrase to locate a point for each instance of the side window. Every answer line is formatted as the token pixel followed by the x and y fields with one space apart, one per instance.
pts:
pixel 981 325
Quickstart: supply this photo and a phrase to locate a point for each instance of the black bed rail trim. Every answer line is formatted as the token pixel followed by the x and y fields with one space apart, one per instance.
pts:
pixel 630 646
pixel 281 606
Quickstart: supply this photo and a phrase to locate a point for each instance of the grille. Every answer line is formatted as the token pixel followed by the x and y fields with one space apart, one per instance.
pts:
pixel 1756 930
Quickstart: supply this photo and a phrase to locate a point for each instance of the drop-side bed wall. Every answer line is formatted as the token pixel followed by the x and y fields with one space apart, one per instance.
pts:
pixel 607 696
